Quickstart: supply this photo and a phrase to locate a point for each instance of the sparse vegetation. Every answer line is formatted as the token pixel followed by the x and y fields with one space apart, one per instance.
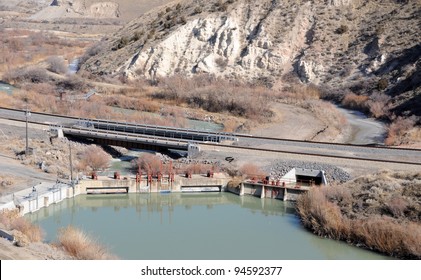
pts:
pixel 81 246
pixel 57 65
pixel 381 212
pixel 30 74
pixel 250 170
pixel 398 129
pixel 216 95
pixel 382 84
pixel 342 29
pixel 122 42
pixel 13 221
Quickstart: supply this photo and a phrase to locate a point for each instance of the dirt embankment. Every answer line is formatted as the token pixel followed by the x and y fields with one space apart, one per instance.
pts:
pixel 380 212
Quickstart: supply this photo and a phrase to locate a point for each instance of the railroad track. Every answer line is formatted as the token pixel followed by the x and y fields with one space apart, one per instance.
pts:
pixel 336 150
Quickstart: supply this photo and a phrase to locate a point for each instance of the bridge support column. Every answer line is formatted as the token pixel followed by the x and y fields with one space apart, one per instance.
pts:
pixel 262 194
pixel 241 189
pixel 285 194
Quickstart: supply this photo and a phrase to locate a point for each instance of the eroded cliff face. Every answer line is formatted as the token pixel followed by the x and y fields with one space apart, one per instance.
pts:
pixel 242 42
pixel 322 42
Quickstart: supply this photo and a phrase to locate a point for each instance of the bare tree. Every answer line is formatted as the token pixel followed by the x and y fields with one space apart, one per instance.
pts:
pixel 96 158
pixel 149 163
pixel 57 64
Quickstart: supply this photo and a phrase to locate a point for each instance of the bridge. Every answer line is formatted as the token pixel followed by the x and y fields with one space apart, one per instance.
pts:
pixel 128 135
pixel 127 140
pixel 165 138
pixel 161 131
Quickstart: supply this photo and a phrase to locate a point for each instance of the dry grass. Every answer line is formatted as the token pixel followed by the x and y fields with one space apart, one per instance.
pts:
pixel 398 132
pixel 198 168
pixel 322 216
pixel 23 47
pixel 356 102
pixel 381 212
pixel 81 246
pixel 12 221
pixel 216 95
pixel 6 180
pixel 250 170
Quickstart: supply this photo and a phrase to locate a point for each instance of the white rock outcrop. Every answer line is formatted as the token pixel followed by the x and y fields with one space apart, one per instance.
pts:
pixel 242 42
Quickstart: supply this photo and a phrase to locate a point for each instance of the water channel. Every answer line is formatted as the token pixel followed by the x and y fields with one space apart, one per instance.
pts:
pixel 7 88
pixel 194 226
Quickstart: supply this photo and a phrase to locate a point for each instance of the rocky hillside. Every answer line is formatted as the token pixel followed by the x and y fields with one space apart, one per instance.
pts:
pixel 363 47
pixel 48 10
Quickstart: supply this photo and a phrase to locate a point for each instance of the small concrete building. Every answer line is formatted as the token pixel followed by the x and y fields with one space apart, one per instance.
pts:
pixel 306 177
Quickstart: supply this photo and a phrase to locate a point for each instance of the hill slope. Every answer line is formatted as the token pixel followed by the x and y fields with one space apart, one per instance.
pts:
pixel 347 45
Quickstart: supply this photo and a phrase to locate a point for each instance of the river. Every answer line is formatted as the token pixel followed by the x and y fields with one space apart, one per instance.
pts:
pixel 194 226
pixel 4 87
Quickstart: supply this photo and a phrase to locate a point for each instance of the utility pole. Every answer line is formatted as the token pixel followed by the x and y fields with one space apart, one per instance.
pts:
pixel 71 165
pixel 27 115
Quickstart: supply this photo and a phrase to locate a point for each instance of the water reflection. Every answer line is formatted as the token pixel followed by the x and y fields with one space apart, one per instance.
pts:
pixel 194 226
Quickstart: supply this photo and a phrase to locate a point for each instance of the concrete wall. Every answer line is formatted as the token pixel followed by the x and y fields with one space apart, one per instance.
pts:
pixel 36 201
pixel 266 191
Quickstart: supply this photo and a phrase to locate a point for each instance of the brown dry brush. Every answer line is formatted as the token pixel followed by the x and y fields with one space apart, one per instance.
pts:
pixel 250 170
pixel 81 246
pixel 379 214
pixel 96 158
pixel 217 95
pixel 12 221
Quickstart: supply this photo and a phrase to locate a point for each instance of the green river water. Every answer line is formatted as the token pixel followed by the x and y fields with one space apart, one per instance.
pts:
pixel 194 226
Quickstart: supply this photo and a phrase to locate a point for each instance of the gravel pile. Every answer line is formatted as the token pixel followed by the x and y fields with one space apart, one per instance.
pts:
pixel 333 173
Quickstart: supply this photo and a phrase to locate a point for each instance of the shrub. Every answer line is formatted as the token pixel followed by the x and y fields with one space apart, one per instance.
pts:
pixel 197 168
pixel 378 105
pixel 149 163
pixel 382 84
pixel 370 211
pixel 71 83
pixel 250 170
pixel 397 130
pixel 96 158
pixel 137 35
pixel 386 235
pixel 342 29
pixel 57 64
pixel 354 101
pixel 183 20
pixel 324 218
pixel 122 42
pixel 81 246
pixel 12 221
pixel 92 51
pixel 33 232
pixel 26 75
pixel 217 95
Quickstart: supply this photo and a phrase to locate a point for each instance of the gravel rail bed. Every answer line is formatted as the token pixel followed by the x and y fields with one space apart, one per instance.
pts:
pixel 333 173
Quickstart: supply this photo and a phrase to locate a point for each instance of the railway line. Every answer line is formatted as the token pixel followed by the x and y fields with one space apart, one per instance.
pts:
pixel 242 142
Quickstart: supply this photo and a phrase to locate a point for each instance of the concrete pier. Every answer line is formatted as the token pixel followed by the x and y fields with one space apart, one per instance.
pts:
pixel 283 192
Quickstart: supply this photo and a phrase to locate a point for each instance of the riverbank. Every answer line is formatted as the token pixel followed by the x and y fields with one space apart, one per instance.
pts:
pixel 380 212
